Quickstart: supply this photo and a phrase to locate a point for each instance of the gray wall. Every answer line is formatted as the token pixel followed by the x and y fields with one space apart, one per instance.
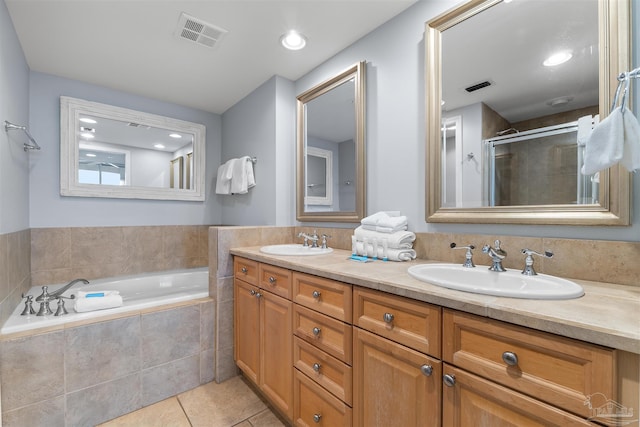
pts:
pixel 14 106
pixel 49 209
pixel 261 125
pixel 395 131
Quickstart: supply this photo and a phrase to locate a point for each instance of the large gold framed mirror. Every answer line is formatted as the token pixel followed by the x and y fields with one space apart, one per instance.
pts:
pixel 331 149
pixel 505 133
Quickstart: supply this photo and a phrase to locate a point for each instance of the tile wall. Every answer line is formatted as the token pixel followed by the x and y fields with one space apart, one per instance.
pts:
pixel 87 374
pixel 15 274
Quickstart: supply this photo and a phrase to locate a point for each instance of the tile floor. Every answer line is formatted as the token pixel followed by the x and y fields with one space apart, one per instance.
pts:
pixel 231 403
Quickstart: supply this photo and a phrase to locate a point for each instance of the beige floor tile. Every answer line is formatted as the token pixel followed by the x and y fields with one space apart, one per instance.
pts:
pixel 167 413
pixel 221 405
pixel 266 418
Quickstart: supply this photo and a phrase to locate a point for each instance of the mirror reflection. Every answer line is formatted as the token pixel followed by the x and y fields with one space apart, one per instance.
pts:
pixel 514 88
pixel 331 149
pixel 114 152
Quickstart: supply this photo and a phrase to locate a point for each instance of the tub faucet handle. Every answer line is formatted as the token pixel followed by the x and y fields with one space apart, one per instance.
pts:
pixel 28 306
pixel 44 296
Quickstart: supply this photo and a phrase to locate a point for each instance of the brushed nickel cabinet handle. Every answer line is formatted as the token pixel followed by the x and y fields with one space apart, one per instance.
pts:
pixel 388 317
pixel 510 358
pixel 244 270
pixel 316 331
pixel 272 280
pixel 316 294
pixel 317 418
pixel 427 370
pixel 449 380
pixel 316 367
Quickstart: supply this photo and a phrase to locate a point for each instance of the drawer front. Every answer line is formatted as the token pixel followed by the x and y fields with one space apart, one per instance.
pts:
pixel 323 295
pixel 245 270
pixel 276 280
pixel 412 323
pixel 326 333
pixel 314 406
pixel 324 369
pixel 560 371
pixel 467 399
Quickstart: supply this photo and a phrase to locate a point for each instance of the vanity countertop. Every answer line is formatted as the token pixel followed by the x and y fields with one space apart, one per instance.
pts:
pixel 608 314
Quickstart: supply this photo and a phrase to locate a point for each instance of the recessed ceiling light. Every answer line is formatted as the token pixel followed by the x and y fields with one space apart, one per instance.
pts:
pixel 90 155
pixel 175 135
pixel 557 59
pixel 87 135
pixel 293 40
pixel 158 146
pixel 87 120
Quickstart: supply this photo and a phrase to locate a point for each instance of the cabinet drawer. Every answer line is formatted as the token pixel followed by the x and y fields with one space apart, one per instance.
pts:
pixel 326 333
pixel 323 295
pixel 473 401
pixel 246 270
pixel 276 280
pixel 326 370
pixel 314 406
pixel 560 371
pixel 412 323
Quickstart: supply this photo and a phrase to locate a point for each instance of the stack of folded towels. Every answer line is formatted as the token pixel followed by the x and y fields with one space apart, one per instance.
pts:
pixel 97 300
pixel 384 235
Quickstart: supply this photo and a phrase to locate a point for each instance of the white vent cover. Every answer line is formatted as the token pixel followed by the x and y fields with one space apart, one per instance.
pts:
pixel 198 31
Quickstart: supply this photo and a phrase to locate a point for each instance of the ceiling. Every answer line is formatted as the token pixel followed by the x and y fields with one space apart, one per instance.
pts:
pixel 131 45
pixel 509 42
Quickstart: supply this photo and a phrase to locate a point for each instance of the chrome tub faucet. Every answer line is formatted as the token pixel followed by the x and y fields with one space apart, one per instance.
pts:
pixel 497 255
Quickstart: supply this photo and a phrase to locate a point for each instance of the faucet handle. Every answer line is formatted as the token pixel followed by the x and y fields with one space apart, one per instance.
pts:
pixel 44 296
pixel 469 255
pixel 528 261
pixel 28 306
pixel 324 240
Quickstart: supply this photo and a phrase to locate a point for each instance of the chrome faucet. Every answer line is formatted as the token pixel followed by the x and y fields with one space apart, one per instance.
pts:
pixel 468 262
pixel 62 290
pixel 497 255
pixel 313 238
pixel 528 261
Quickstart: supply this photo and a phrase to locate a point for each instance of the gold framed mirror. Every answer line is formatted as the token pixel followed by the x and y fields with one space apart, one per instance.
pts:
pixel 605 197
pixel 331 148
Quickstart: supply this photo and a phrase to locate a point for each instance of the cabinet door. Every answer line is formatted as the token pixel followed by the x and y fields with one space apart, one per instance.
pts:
pixel 394 385
pixel 469 400
pixel 247 329
pixel 276 341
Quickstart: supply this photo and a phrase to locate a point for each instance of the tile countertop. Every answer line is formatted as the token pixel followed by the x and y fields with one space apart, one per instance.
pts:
pixel 608 314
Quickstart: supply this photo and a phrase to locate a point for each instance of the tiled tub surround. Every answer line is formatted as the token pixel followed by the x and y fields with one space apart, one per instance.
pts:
pixel 15 275
pixel 606 262
pixel 85 374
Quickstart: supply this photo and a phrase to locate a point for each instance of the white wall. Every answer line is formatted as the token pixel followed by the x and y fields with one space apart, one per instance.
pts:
pixel 260 126
pixel 395 131
pixel 49 209
pixel 14 107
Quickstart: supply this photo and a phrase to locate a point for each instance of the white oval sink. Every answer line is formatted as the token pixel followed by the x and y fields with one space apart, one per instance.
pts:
pixel 294 250
pixel 510 283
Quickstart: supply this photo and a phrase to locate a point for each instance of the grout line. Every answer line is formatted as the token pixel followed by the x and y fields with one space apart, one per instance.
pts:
pixel 184 411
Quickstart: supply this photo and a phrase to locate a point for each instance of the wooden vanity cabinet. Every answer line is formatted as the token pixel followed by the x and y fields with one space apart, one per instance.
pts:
pixel 395 382
pixel 263 333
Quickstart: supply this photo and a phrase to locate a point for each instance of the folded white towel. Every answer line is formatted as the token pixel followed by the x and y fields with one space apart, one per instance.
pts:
pixel 391 221
pixel 393 254
pixel 111 299
pixel 605 146
pixel 396 240
pixel 223 182
pixel 585 127
pixel 242 177
pixel 387 230
pixel 631 151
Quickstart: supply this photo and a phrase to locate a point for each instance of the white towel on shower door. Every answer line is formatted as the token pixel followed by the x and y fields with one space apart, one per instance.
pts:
pixel 605 146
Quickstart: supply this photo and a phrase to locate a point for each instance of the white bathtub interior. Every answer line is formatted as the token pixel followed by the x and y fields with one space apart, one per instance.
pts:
pixel 138 292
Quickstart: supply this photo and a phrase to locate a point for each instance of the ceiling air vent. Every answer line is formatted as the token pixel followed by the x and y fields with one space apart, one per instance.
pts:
pixel 198 31
pixel 477 86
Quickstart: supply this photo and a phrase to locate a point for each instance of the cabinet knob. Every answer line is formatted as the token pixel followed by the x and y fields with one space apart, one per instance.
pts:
pixel 316 367
pixel 449 380
pixel 317 418
pixel 244 270
pixel 252 292
pixel 316 294
pixel 272 280
pixel 316 331
pixel 387 317
pixel 510 358
pixel 427 370
pixel 258 295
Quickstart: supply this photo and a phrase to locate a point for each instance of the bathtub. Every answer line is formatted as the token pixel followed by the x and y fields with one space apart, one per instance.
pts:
pixel 138 292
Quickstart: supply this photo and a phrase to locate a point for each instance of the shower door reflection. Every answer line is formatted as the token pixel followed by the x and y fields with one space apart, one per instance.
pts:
pixel 539 167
